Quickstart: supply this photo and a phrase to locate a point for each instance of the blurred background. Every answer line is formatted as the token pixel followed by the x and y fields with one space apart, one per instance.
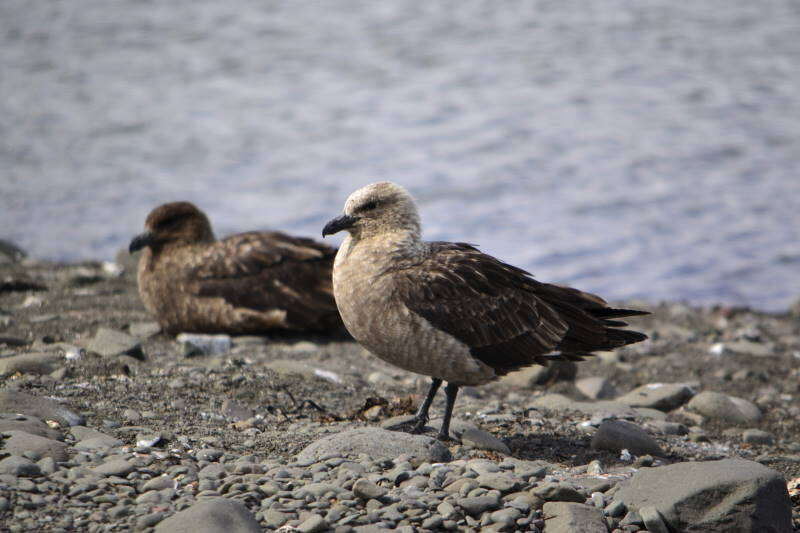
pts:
pixel 639 149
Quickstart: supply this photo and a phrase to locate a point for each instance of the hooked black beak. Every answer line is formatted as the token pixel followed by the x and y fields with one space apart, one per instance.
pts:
pixel 338 224
pixel 140 241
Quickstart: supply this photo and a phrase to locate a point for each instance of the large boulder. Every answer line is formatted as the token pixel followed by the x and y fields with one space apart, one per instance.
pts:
pixel 662 396
pixel 566 517
pixel 217 515
pixel 376 443
pixel 712 496
pixel 16 401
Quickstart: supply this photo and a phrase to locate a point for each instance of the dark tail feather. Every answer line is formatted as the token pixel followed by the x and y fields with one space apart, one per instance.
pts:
pixel 607 312
pixel 623 337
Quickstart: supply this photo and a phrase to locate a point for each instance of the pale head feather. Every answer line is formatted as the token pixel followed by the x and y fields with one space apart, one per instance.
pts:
pixel 382 207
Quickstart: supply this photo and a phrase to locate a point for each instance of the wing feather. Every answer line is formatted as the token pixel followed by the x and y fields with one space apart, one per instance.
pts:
pixel 508 319
pixel 264 271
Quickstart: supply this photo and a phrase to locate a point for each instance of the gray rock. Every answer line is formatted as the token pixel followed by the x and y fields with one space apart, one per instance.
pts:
pixel 652 520
pixel 159 483
pixel 730 409
pixel 313 524
pixel 616 508
pixel 216 515
pixel 376 443
pixel 98 443
pixel 209 454
pixel 15 401
pixel 618 435
pixel 30 363
pixel 662 396
pixel 632 518
pixel 756 436
pixel 477 505
pixel 505 483
pixel 507 516
pixel 200 344
pixel 483 440
pixel 714 496
pixel 605 408
pixel 668 428
pixel 18 442
pixel 27 424
pixel 91 439
pixel 367 490
pixel 116 466
pixel 596 388
pixel 566 517
pixel 276 519
pixel 110 342
pixel 19 466
pixel 558 492
pixel 144 330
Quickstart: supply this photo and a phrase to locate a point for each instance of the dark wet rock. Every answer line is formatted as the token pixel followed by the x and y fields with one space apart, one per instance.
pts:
pixel 30 363
pixel 110 342
pixel 596 388
pixel 566 517
pixel 10 252
pixel 8 340
pixel 28 424
pixel 618 435
pixel 730 409
pixel 19 282
pixel 661 396
pixel 376 443
pixel 721 496
pixel 19 466
pixel 18 442
pixel 217 515
pixel 15 401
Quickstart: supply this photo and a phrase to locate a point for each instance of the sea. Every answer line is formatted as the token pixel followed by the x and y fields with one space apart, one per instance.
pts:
pixel 637 149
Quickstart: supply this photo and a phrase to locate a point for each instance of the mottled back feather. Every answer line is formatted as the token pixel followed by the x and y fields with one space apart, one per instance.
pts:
pixel 508 319
pixel 269 270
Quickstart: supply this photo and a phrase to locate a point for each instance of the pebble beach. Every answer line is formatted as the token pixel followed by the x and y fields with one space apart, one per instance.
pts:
pixel 109 425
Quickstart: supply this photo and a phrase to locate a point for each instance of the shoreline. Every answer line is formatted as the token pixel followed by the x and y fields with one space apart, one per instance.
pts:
pixel 164 417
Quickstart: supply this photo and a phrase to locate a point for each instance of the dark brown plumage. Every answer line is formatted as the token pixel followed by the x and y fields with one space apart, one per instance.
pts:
pixel 251 282
pixel 449 311
pixel 506 318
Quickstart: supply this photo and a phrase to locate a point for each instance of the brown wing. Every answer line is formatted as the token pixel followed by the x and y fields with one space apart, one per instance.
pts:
pixel 508 319
pixel 263 271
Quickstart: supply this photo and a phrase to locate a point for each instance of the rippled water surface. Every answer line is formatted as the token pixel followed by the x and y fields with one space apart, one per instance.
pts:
pixel 637 149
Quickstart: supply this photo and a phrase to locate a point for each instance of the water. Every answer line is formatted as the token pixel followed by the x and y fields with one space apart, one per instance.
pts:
pixel 636 149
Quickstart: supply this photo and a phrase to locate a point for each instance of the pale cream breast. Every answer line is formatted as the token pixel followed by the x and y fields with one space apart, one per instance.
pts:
pixel 366 297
